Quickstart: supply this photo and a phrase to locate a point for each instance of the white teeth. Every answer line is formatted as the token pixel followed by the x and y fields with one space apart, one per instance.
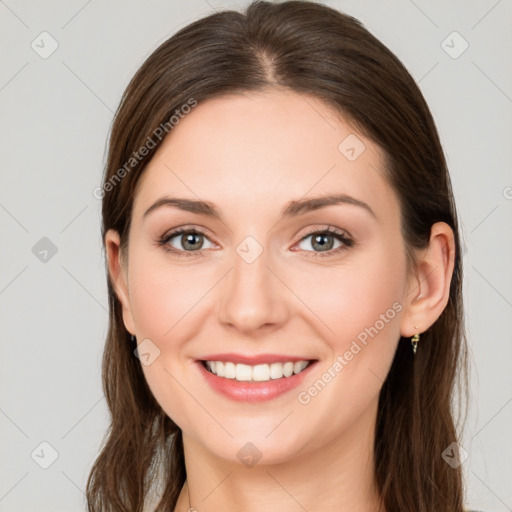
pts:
pixel 243 372
pixel 257 373
pixel 219 368
pixel 299 366
pixel 260 372
pixel 288 369
pixel 229 370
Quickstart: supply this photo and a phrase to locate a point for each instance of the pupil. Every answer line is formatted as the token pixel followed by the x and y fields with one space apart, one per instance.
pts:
pixel 189 237
pixel 323 246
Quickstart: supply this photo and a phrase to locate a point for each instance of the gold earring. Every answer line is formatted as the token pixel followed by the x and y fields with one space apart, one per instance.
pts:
pixel 414 341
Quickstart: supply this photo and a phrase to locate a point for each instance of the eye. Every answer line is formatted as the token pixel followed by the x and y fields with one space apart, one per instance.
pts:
pixel 189 240
pixel 324 240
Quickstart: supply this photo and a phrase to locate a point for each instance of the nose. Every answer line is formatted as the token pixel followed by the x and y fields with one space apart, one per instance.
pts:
pixel 253 297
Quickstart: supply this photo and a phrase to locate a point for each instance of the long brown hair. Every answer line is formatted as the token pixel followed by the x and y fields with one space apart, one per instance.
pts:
pixel 312 49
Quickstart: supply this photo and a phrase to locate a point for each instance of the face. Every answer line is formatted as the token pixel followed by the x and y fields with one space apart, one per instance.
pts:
pixel 266 275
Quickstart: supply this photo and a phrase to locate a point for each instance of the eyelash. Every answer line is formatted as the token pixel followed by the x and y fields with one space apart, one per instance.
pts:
pixel 342 237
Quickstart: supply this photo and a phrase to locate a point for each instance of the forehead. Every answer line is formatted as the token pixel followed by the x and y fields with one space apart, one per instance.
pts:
pixel 260 150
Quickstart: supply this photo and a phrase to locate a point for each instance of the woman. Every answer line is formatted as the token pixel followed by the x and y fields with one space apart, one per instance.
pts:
pixel 285 276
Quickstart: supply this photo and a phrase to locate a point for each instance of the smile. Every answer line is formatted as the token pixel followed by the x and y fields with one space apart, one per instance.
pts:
pixel 254 383
pixel 256 373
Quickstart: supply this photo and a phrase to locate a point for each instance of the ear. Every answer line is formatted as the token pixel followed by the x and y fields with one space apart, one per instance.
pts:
pixel 429 288
pixel 118 271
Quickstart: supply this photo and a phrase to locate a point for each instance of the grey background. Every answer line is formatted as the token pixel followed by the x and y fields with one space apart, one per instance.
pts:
pixel 54 122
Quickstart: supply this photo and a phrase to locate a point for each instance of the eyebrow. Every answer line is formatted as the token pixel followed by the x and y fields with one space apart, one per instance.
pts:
pixel 292 209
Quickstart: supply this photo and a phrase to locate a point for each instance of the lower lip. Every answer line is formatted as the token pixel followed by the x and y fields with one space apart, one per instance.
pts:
pixel 247 391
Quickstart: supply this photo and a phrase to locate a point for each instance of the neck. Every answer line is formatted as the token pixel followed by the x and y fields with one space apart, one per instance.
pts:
pixel 339 475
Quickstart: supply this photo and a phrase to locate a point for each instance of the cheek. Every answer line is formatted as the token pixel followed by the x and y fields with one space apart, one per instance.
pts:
pixel 165 302
pixel 348 299
pixel 163 296
pixel 359 309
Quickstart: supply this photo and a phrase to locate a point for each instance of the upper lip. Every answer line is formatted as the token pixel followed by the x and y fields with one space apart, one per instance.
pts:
pixel 254 359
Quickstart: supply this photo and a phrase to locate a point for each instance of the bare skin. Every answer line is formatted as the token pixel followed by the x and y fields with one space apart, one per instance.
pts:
pixel 251 155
